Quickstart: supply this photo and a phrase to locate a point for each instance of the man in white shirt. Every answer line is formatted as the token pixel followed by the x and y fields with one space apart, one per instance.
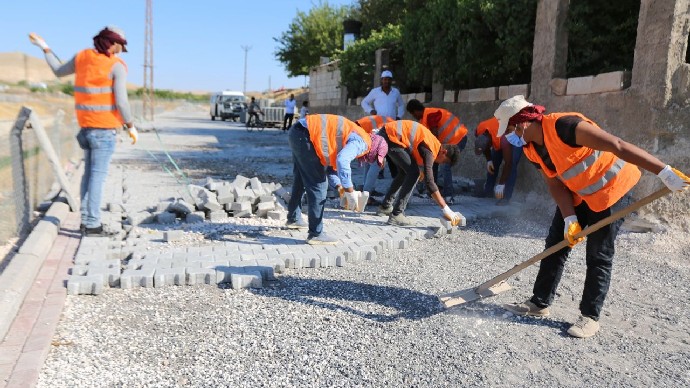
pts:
pixel 387 102
pixel 289 112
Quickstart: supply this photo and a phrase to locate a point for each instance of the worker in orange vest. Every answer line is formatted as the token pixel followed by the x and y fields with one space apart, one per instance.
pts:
pixel 589 173
pixel 496 150
pixel 319 143
pixel 102 107
pixel 449 130
pixel 411 146
pixel 371 124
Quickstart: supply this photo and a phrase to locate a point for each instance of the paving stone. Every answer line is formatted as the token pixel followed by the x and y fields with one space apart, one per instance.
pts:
pixel 224 273
pixel 195 217
pixel 201 276
pixel 255 183
pixel 217 215
pixel 142 217
pixel 110 275
pixel 84 285
pixel 169 277
pixel 134 278
pixel 263 208
pixel 250 279
pixel 173 235
pixel 166 218
pixel 240 181
pixel 182 207
pixel 163 206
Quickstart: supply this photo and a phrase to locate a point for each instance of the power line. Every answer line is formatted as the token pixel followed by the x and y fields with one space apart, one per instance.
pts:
pixel 246 49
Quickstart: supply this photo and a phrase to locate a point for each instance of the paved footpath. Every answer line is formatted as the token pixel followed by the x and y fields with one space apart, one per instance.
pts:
pixel 242 252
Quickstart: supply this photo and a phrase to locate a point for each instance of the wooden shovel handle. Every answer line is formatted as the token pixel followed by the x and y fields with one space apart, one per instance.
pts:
pixel 588 230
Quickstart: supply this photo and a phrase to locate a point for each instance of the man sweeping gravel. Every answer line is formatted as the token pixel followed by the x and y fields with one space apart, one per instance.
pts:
pixel 589 173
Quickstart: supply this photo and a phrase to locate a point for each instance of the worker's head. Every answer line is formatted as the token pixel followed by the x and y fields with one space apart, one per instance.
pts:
pixel 416 109
pixel 482 143
pixel 378 150
pixel 515 115
pixel 305 103
pixel 292 96
pixel 386 79
pixel 253 99
pixel 448 154
pixel 110 40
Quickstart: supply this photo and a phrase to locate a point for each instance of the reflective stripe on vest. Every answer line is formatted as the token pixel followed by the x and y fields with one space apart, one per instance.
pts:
pixel 451 133
pixel 95 108
pixel 413 134
pixel 324 135
pixel 608 176
pixel 86 90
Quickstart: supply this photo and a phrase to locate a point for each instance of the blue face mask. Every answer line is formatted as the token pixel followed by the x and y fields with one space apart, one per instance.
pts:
pixel 514 139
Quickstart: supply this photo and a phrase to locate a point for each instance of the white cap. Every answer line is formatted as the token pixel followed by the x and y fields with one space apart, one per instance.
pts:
pixel 116 30
pixel 386 73
pixel 508 109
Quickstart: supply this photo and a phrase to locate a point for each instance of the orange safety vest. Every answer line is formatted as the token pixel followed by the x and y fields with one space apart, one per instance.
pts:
pixel 369 123
pixel 329 135
pixel 450 130
pixel 599 178
pixel 94 100
pixel 409 134
pixel 490 126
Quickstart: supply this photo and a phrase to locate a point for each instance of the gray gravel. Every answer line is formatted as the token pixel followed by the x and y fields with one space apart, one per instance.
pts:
pixel 379 324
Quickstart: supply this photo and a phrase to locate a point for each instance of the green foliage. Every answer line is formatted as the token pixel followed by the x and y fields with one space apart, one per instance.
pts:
pixel 470 43
pixel 68 88
pixel 601 36
pixel 357 63
pixel 310 36
pixel 375 15
pixel 162 94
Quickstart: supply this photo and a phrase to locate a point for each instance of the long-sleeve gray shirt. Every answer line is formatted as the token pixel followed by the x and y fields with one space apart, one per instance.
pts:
pixel 118 74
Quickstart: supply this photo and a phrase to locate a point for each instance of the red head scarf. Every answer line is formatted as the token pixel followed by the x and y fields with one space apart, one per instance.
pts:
pixel 107 38
pixel 528 113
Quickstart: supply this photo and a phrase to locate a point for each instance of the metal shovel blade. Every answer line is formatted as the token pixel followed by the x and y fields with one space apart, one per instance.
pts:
pixel 472 294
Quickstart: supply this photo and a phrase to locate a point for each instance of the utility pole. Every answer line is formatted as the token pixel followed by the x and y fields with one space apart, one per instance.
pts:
pixel 149 94
pixel 246 49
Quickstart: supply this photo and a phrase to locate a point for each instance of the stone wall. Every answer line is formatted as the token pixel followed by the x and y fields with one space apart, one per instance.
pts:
pixel 648 106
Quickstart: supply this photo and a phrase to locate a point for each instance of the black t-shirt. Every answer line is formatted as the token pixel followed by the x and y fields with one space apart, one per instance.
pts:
pixel 565 129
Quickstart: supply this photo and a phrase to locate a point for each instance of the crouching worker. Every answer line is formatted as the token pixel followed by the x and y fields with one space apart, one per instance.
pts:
pixel 496 150
pixel 372 170
pixel 589 173
pixel 319 141
pixel 412 146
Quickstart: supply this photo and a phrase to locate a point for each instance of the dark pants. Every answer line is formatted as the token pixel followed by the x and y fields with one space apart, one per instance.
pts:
pixel 287 121
pixel 309 177
pixel 392 168
pixel 497 158
pixel 401 188
pixel 599 258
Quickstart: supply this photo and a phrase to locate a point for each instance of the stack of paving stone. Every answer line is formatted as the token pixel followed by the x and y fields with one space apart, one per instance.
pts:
pixel 218 200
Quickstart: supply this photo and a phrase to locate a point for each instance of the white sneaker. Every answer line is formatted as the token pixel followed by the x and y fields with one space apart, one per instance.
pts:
pixel 585 327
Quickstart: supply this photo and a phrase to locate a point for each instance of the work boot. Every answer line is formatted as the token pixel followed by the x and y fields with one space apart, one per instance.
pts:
pixel 299 224
pixel 322 239
pixel 98 232
pixel 585 327
pixel 384 210
pixel 527 309
pixel 399 220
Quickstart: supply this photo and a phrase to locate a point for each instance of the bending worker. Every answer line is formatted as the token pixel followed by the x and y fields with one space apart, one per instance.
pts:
pixel 317 142
pixel 370 124
pixel 496 150
pixel 102 107
pixel 589 173
pixel 412 146
pixel 448 130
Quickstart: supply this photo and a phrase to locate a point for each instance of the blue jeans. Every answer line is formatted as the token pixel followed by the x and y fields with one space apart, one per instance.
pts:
pixel 599 258
pixel 371 174
pixel 447 172
pixel 309 177
pixel 497 158
pixel 98 146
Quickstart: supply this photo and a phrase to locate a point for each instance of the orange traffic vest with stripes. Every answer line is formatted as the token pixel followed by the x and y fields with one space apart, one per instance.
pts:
pixel 94 100
pixel 490 126
pixel 410 134
pixel 329 135
pixel 599 178
pixel 369 123
pixel 450 130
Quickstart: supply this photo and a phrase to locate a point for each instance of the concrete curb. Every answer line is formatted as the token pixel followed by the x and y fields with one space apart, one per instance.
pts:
pixel 18 277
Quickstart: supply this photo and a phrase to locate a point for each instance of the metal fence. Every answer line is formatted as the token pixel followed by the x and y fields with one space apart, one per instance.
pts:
pixel 31 165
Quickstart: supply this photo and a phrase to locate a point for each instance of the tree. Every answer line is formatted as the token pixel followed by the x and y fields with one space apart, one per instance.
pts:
pixel 377 14
pixel 310 36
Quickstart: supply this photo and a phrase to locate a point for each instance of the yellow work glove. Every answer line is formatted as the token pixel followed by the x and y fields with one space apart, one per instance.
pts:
pixel 572 227
pixel 133 134
pixel 674 179
pixel 350 200
pixel 38 41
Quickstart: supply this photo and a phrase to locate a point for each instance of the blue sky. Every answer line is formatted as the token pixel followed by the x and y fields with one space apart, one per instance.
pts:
pixel 196 43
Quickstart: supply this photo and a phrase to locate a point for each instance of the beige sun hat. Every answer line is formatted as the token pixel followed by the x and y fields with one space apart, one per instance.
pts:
pixel 508 109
